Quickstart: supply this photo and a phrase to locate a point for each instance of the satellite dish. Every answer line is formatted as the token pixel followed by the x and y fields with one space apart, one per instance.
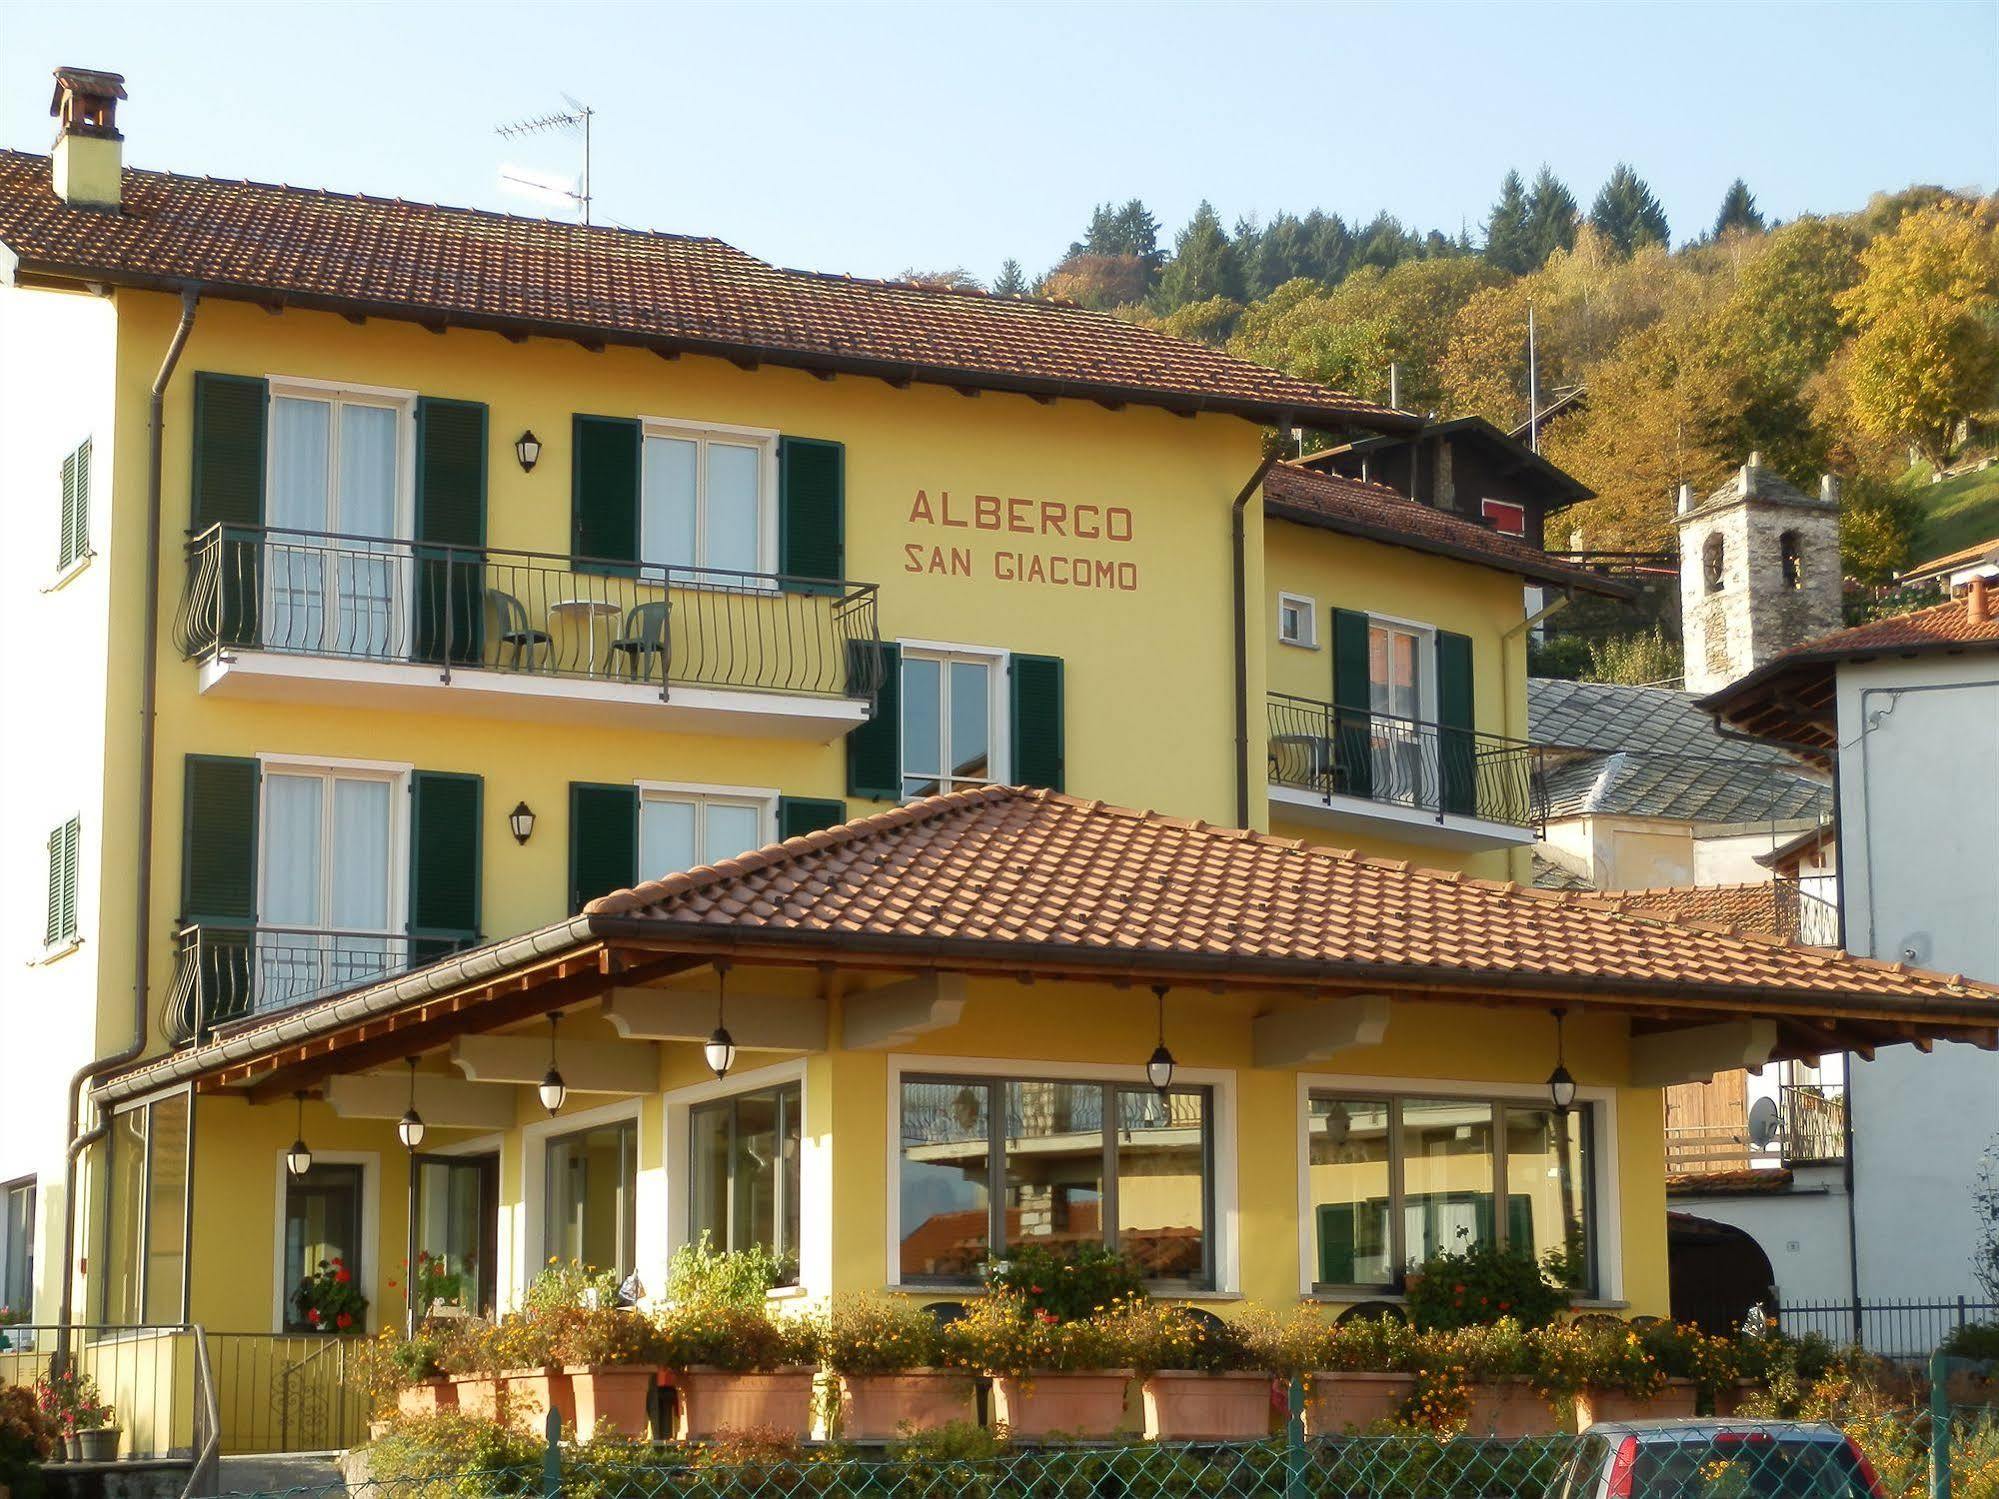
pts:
pixel 1764 1125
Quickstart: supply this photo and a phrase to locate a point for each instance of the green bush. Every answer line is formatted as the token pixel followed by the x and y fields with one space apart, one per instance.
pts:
pixel 1069 1283
pixel 450 1456
pixel 1478 1284
pixel 701 1275
pixel 1974 1340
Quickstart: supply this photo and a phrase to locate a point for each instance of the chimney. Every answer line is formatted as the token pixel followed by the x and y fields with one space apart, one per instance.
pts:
pixel 87 164
pixel 1829 488
pixel 1749 473
pixel 1977 603
pixel 1686 499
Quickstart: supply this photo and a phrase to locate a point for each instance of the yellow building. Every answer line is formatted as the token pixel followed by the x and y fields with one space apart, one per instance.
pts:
pixel 397 587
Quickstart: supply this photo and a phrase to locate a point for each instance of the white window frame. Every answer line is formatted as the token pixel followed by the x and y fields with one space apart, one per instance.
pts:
pixel 397 775
pixel 372 1277
pixel 31 1184
pixel 761 799
pixel 1606 1210
pixel 649 1262
pixel 1307 609
pixel 999 720
pixel 336 392
pixel 764 439
pixel 1219 1081
pixel 1486 506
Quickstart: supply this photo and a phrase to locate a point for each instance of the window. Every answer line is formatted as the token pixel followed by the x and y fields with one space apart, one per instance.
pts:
pixel 987 1164
pixel 1791 559
pixel 322 1224
pixel 589 1196
pixel 1297 620
pixel 1398 694
pixel 332 907
pixel 1391 1181
pixel 704 498
pixel 457 1231
pixel 145 1213
pixel 684 828
pixel 74 543
pixel 17 1250
pixel 953 720
pixel 1712 560
pixel 59 928
pixel 744 1173
pixel 1504 516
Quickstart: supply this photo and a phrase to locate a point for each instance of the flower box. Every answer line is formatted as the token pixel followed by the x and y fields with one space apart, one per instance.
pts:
pixel 1728 1400
pixel 874 1407
pixel 1676 1399
pixel 1338 1401
pixel 478 1395
pixel 533 1393
pixel 1079 1405
pixel 1508 1408
pixel 614 1397
pixel 428 1398
pixel 1184 1405
pixel 718 1400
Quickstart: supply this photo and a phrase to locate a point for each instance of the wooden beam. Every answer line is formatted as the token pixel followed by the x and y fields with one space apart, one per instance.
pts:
pixel 1698 1052
pixel 744 362
pixel 445 1102
pixel 669 355
pixel 586 1066
pixel 897 1014
pixel 1292 1038
pixel 592 345
pixel 356 318
pixel 759 1022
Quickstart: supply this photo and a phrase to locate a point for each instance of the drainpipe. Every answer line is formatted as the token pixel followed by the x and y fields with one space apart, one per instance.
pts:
pixel 1546 611
pixel 1241 588
pixel 143 884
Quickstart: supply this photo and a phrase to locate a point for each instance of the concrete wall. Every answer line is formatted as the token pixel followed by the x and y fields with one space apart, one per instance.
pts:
pixel 1803 1231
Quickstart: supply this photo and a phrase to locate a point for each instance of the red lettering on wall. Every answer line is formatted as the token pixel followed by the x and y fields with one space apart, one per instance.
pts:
pixel 944 495
pixel 1054 518
pixel 987 513
pixel 920 511
pixel 1117 523
pixel 1094 528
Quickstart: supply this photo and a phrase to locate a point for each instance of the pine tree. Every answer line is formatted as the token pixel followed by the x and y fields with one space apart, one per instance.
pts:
pixel 1204 263
pixel 1551 218
pixel 1506 230
pixel 1098 238
pixel 1626 213
pixel 1738 211
pixel 1010 282
pixel 1134 231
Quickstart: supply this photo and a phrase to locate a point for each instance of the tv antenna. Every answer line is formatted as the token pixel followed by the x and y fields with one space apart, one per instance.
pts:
pixel 574 120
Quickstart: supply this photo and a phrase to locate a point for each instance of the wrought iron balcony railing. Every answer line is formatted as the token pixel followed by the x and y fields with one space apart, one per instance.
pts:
pixel 224 975
pixel 1405 762
pixel 1812 1122
pixel 363 598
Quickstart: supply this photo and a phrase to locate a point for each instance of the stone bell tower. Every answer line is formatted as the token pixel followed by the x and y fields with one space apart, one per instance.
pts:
pixel 1759 572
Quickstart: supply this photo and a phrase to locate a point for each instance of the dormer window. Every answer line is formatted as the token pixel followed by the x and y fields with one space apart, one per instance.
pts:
pixel 1711 562
pixel 1792 560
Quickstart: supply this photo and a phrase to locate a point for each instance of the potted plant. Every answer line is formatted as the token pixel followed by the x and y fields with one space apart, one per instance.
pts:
pixel 610 1357
pixel 523 1351
pixel 1048 1375
pixel 28 1440
pixel 887 1361
pixel 738 1368
pixel 1201 1380
pixel 71 1405
pixel 1604 1373
pixel 1357 1375
pixel 423 1388
pixel 467 1352
pixel 1480 1377
pixel 328 1300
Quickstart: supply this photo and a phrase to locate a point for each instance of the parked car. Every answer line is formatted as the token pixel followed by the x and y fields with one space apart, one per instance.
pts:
pixel 1703 1457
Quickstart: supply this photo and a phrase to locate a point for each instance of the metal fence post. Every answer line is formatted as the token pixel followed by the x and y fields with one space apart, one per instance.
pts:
pixel 551 1457
pixel 1939 1426
pixel 1294 1440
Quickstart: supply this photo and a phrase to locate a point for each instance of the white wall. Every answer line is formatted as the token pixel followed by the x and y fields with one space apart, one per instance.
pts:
pixel 1730 859
pixel 1919 788
pixel 1804 1231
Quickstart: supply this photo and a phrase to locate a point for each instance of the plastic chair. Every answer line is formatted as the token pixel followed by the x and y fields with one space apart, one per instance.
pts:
pixel 944 1313
pixel 643 637
pixel 1372 1311
pixel 517 631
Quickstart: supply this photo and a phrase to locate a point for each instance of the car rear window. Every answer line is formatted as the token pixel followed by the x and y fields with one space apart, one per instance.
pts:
pixel 1755 1466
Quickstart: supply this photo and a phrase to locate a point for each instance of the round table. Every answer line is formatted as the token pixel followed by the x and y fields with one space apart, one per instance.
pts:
pixel 590 610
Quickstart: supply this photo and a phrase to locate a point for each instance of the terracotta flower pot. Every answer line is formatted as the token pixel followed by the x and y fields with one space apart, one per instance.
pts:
pixel 1081 1405
pixel 1509 1408
pixel 1183 1405
pixel 612 1396
pixel 874 1407
pixel 478 1395
pixel 533 1393
pixel 1592 1406
pixel 428 1398
pixel 1343 1400
pixel 715 1400
pixel 1729 1398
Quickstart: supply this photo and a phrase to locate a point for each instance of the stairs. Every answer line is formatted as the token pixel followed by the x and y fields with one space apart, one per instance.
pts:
pixel 279 1473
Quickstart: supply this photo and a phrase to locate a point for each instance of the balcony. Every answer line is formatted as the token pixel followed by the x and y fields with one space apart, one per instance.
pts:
pixel 1804 1125
pixel 225 976
pixel 299 616
pixel 1401 777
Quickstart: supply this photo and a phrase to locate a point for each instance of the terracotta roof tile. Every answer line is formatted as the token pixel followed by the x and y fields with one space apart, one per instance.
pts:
pixel 1757 906
pixel 1359 507
pixel 1008 864
pixel 312 247
pixel 1744 1179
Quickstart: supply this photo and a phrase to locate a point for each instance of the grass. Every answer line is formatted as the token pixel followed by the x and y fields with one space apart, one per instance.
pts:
pixel 1957 513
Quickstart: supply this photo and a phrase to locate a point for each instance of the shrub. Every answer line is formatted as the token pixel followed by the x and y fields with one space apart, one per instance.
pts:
pixel 452 1456
pixel 1003 1335
pixel 700 1274
pixel 1150 1336
pixel 1304 1341
pixel 1480 1283
pixel 466 1347
pixel 738 1339
pixel 27 1440
pixel 874 1335
pixel 1974 1340
pixel 1570 1358
pixel 1069 1282
pixel 601 1335
pixel 564 1284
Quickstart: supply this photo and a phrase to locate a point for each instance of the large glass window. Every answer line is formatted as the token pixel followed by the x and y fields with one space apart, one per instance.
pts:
pixel 1074 1162
pixel 702 502
pixel 17 1249
pixel 590 1194
pixel 948 727
pixel 744 1172
pixel 457 1231
pixel 145 1213
pixel 322 1224
pixel 1394 1180
pixel 683 830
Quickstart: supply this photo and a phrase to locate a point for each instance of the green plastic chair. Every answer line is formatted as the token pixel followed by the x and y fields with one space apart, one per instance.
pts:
pixel 643 636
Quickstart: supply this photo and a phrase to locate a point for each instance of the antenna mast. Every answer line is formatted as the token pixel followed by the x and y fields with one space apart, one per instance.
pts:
pixel 1533 387
pixel 575 118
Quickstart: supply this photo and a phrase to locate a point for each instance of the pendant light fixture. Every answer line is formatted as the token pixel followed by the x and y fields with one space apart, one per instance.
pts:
pixel 410 1127
pixel 721 1048
pixel 1159 1067
pixel 1561 1086
pixel 298 1160
pixel 553 1089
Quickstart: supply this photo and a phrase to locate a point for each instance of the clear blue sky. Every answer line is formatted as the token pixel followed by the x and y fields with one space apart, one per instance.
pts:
pixel 867 138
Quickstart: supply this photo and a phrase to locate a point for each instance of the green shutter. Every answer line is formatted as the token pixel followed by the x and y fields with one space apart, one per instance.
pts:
pixel 445 856
pixel 603 841
pixel 229 416
pixel 1035 688
pixel 219 841
pixel 1353 741
pixel 799 815
pixel 450 511
pixel 1336 1243
pixel 874 750
pixel 61 923
pixel 604 489
pixel 75 541
pixel 811 513
pixel 1457 745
